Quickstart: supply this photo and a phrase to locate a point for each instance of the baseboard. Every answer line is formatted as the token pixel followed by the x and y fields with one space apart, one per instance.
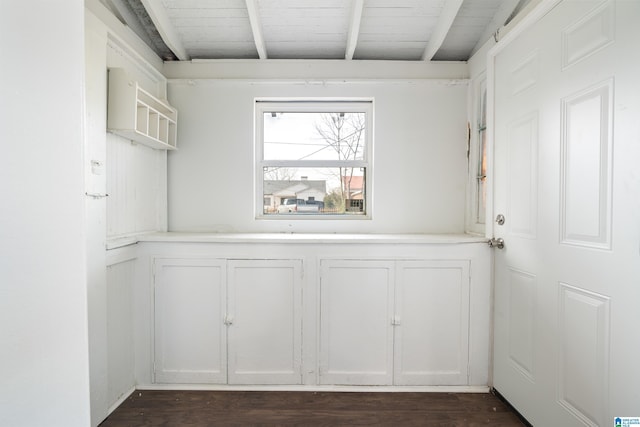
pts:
pixel 120 400
pixel 332 388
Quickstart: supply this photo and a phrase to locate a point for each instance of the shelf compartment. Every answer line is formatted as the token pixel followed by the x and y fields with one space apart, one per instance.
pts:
pixel 139 116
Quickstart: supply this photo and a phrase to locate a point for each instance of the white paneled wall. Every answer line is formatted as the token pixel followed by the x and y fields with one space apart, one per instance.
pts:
pixel 120 344
pixel 136 186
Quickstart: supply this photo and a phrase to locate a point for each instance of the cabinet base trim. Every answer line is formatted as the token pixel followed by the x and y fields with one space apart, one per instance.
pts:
pixel 336 388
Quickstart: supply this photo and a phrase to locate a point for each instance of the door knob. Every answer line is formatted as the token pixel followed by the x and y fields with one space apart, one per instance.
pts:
pixel 496 243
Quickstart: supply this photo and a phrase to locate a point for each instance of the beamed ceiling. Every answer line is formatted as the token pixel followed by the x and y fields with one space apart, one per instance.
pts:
pixel 408 30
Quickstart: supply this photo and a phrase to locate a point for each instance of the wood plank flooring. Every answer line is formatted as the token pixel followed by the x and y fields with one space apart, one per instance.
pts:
pixel 275 408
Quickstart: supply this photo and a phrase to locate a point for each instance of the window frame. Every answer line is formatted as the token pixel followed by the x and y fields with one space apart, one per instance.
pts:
pixel 475 211
pixel 315 105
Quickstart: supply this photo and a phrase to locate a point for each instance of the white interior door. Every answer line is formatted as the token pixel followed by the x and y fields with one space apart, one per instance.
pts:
pixel 566 152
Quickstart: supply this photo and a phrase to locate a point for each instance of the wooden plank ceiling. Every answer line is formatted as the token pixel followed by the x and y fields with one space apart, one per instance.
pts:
pixel 408 30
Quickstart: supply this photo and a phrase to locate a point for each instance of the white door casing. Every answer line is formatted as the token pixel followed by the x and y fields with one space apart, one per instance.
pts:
pixel 566 108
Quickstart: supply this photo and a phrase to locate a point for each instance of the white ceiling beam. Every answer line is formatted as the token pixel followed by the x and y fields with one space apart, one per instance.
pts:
pixel 354 29
pixel 499 18
pixel 160 18
pixel 448 15
pixel 256 28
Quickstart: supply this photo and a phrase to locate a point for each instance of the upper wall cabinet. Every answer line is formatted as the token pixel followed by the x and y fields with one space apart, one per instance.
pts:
pixel 138 115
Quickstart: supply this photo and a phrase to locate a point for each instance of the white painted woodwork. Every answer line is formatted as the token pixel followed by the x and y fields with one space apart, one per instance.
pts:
pixel 583 382
pixel 449 12
pixel 397 29
pixel 475 23
pixel 264 321
pixel 522 290
pixel 136 176
pixel 190 334
pixel 586 162
pixel 95 184
pixel 522 158
pixel 354 28
pixel 160 18
pixel 320 29
pixel 138 115
pixel 208 29
pixel 44 356
pixel 419 148
pixel 356 322
pixel 585 37
pixel 394 322
pixel 120 330
pixel 431 341
pixel 565 291
pixel 277 317
pixel 256 28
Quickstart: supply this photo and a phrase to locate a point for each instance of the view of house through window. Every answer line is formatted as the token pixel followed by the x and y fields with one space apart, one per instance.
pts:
pixel 313 159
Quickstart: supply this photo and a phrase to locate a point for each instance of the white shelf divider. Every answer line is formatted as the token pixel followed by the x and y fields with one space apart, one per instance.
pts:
pixel 137 115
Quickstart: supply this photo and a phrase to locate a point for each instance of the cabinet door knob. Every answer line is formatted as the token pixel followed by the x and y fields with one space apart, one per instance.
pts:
pixel 228 320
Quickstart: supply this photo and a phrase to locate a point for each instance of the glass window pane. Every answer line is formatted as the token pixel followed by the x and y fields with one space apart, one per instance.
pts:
pixel 482 178
pixel 317 191
pixel 314 136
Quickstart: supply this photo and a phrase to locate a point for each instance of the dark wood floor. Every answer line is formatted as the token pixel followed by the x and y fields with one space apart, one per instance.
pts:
pixel 275 408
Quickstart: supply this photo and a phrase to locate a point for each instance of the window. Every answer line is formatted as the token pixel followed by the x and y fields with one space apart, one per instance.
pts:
pixel 478 159
pixel 313 159
pixel 481 160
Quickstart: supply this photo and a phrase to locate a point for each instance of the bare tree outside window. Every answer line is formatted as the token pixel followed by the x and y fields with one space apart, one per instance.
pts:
pixel 344 133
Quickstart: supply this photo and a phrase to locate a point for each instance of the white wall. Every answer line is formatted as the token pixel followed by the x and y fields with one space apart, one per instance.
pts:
pixel 419 155
pixel 134 176
pixel 43 296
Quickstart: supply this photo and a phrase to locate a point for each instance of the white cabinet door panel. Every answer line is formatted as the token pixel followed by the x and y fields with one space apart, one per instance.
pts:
pixel 356 334
pixel 432 323
pixel 264 321
pixel 190 304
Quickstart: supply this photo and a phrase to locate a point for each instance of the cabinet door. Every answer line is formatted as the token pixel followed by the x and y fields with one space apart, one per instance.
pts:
pixel 356 332
pixel 265 321
pixel 432 323
pixel 190 305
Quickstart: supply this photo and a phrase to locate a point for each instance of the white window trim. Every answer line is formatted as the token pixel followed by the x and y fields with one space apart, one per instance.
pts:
pixel 479 84
pixel 314 105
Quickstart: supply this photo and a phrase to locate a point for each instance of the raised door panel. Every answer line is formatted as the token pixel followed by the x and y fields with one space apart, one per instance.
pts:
pixel 432 323
pixel 264 321
pixel 356 314
pixel 190 336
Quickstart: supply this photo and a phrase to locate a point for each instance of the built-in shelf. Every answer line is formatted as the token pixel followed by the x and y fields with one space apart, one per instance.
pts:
pixel 139 116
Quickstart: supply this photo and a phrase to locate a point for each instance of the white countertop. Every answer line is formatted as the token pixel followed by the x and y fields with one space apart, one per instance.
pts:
pixel 311 238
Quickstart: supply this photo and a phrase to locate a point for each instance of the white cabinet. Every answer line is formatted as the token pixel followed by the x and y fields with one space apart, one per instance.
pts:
pixel 139 116
pixel 356 332
pixel 228 321
pixel 190 307
pixel 431 343
pixel 394 322
pixel 265 334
